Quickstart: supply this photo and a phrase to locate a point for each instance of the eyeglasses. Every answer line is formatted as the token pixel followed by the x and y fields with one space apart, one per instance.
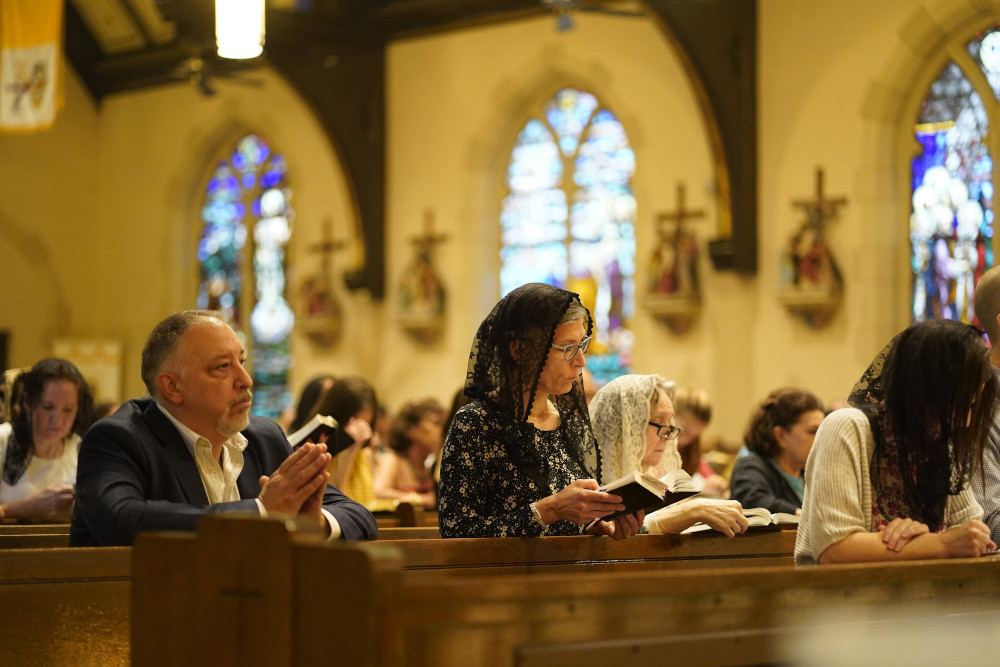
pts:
pixel 666 431
pixel 569 351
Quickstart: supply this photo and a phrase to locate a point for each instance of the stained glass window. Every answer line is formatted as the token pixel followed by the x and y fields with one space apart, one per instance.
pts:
pixel 247 198
pixel 568 218
pixel 951 221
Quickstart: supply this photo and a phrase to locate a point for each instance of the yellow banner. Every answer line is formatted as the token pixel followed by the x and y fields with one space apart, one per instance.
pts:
pixel 31 35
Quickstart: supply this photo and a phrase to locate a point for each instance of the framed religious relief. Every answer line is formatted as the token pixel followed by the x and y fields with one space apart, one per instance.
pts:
pixel 811 282
pixel 100 362
pixel 420 296
pixel 674 294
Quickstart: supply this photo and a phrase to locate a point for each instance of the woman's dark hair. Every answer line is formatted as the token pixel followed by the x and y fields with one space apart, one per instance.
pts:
pixel 310 400
pixel 26 395
pixel 939 397
pixel 409 416
pixel 782 407
pixel 347 397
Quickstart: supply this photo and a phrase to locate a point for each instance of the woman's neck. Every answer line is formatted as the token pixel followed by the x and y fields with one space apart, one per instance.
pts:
pixel 48 449
pixel 788 466
pixel 416 457
pixel 543 413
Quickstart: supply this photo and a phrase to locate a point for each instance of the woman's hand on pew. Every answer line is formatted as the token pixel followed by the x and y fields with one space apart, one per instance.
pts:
pixel 898 532
pixel 580 502
pixel 621 528
pixel 725 516
pixel 970 539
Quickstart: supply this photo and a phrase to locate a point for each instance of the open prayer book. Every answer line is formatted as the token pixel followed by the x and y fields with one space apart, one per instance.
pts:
pixel 642 491
pixel 757 518
pixel 317 427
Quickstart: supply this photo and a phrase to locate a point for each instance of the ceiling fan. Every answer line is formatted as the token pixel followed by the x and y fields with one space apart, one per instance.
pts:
pixel 563 10
pixel 202 73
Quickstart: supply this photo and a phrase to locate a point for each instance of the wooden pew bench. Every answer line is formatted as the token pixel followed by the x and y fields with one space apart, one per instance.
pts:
pixel 262 596
pixel 586 553
pixel 29 528
pixel 65 606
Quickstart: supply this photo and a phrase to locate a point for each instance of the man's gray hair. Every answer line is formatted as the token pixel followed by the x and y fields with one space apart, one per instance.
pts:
pixel 163 340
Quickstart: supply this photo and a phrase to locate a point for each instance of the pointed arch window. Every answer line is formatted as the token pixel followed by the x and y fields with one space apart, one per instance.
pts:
pixel 568 217
pixel 246 226
pixel 952 211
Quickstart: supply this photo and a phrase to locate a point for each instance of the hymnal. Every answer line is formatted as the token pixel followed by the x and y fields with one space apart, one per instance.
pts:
pixel 642 491
pixel 322 425
pixel 758 518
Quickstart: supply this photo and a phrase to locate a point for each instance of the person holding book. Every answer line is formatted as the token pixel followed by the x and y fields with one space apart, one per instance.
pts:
pixel 779 437
pixel 415 440
pixel 890 477
pixel 633 420
pixel 351 401
pixel 520 459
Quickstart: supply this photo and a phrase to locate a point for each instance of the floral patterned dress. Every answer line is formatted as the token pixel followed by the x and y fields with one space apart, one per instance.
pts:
pixel 487 483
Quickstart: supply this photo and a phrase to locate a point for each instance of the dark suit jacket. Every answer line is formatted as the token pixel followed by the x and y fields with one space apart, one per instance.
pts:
pixel 136 473
pixel 755 483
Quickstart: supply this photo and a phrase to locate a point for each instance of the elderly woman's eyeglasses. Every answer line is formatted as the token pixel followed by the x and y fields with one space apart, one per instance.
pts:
pixel 666 431
pixel 569 351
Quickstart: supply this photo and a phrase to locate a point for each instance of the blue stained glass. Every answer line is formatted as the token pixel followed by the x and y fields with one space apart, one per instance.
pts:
pixel 587 245
pixel 952 200
pixel 237 182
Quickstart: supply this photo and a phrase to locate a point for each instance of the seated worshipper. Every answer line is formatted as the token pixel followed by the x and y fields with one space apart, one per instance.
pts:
pixel 889 478
pixel 987 492
pixel 309 401
pixel 414 442
pixel 351 401
pixel 693 412
pixel 161 463
pixel 633 419
pixel 51 408
pixel 779 438
pixel 520 459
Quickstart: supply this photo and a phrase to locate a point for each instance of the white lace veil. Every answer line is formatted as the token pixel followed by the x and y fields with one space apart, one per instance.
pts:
pixel 619 413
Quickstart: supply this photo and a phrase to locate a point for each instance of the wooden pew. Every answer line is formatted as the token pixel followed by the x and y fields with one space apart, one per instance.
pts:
pixel 585 553
pixel 399 533
pixel 65 606
pixel 29 528
pixel 34 541
pixel 257 595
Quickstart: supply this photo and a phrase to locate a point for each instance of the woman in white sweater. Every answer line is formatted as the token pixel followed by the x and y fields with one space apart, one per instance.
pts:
pixel 889 477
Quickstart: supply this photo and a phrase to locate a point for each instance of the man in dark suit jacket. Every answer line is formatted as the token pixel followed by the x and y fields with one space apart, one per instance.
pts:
pixel 162 463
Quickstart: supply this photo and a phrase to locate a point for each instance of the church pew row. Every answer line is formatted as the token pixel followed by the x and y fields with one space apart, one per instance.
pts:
pixel 89 588
pixel 589 554
pixel 65 606
pixel 13 528
pixel 260 595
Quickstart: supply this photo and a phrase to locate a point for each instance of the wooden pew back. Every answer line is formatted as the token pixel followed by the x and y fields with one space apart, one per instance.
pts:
pixel 65 606
pixel 304 597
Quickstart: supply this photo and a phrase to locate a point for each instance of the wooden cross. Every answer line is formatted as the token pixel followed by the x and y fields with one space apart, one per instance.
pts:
pixel 429 239
pixel 821 209
pixel 680 215
pixel 327 246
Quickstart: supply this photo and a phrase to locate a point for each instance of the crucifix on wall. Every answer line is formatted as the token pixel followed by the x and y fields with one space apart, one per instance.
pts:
pixel 674 270
pixel 320 315
pixel 420 298
pixel 674 293
pixel 811 279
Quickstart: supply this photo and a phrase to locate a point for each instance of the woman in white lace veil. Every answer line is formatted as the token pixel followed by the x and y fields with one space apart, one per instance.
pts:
pixel 620 419
pixel 633 421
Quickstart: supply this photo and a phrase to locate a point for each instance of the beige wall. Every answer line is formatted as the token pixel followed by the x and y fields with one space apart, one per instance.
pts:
pixel 834 86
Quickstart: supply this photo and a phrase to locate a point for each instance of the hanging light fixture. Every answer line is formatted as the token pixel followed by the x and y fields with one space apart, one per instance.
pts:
pixel 239 28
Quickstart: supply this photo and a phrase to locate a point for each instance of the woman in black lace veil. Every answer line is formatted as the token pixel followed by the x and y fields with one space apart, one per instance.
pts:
pixel 520 459
pixel 889 477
